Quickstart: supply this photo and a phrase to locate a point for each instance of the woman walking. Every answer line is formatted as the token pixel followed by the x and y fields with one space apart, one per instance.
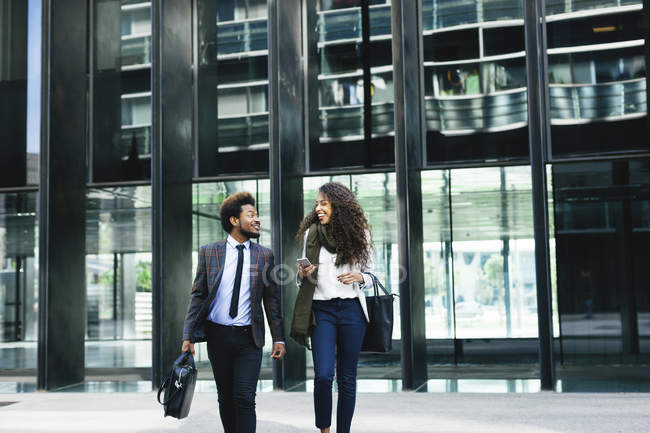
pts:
pixel 330 307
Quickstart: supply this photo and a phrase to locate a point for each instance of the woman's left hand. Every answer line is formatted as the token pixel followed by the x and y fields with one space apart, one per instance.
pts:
pixel 350 277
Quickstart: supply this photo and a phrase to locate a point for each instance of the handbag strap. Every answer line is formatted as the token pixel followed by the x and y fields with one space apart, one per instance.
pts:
pixel 377 284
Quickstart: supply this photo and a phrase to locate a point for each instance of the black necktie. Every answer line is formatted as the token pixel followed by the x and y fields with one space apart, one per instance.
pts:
pixel 234 302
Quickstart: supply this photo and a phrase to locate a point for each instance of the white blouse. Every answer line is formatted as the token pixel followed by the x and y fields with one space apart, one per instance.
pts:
pixel 329 287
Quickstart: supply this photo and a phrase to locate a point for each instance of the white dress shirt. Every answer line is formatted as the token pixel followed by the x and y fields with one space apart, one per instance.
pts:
pixel 220 307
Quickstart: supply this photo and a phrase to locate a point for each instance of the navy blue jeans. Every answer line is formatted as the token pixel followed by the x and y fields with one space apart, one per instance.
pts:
pixel 340 328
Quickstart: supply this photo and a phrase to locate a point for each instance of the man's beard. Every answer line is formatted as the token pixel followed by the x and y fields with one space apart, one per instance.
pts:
pixel 249 235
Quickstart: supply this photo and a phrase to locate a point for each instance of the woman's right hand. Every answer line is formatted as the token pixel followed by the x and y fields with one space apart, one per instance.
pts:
pixel 305 272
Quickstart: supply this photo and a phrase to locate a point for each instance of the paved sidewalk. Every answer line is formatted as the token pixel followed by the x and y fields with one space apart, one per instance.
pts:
pixel 281 412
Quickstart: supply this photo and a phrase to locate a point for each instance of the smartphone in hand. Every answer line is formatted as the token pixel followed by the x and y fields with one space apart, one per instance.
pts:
pixel 304 262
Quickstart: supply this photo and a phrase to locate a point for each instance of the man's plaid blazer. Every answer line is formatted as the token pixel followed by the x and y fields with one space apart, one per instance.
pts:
pixel 262 285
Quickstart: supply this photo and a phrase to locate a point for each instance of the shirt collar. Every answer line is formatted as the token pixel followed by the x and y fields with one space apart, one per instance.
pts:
pixel 233 243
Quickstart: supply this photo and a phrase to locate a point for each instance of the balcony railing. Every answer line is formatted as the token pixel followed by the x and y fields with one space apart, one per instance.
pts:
pixel 459 115
pixel 438 14
pixel 242 36
pixel 567 6
pixel 345 24
pixel 577 103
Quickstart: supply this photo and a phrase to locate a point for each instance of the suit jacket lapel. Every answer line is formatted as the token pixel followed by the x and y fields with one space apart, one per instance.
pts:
pixel 221 254
pixel 254 270
pixel 218 254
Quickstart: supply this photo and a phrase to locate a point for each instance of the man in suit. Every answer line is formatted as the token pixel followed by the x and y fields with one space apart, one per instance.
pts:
pixel 233 278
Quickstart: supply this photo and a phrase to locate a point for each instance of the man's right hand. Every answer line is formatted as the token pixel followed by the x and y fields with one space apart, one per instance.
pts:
pixel 188 346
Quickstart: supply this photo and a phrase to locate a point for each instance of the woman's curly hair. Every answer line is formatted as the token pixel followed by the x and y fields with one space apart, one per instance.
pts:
pixel 347 225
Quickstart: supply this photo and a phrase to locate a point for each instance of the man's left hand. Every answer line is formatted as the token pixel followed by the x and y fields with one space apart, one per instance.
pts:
pixel 278 351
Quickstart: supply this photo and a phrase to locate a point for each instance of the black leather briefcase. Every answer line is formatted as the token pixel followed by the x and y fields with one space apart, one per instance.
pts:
pixel 178 387
pixel 379 332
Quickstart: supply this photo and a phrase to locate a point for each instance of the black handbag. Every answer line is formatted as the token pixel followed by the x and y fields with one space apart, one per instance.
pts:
pixel 379 332
pixel 178 387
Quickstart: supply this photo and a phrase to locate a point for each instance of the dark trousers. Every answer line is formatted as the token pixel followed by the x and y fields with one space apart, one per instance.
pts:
pixel 340 328
pixel 236 367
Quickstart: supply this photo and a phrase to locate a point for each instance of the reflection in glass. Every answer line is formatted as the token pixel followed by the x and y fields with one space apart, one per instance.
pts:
pixel 18 281
pixel 438 284
pixel 118 277
pixel 475 80
pixel 206 229
pixel 479 258
pixel 121 90
pixel 18 164
pixel 601 232
pixel 347 137
pixel 438 14
pixel 597 77
pixel 493 253
pixel 233 86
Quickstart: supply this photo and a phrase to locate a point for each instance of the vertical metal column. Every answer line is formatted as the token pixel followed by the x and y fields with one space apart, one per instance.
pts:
pixel 62 276
pixel 171 178
pixel 286 165
pixel 539 141
pixel 409 151
pixel 623 222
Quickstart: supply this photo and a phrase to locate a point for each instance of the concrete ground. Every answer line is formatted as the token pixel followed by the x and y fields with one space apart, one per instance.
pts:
pixel 284 412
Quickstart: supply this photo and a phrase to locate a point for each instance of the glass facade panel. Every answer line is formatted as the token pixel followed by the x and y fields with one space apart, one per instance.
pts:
pixel 206 229
pixel 118 277
pixel 18 282
pixel 479 253
pixel 120 90
pixel 353 130
pixel 16 159
pixel 597 77
pixel 233 87
pixel 437 247
pixel 475 80
pixel 601 234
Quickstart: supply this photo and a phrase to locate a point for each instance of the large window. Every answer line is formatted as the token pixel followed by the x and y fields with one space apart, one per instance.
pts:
pixel 601 232
pixel 18 281
pixel 354 78
pixel 479 253
pixel 120 82
pixel 233 108
pixel 118 277
pixel 597 77
pixel 475 80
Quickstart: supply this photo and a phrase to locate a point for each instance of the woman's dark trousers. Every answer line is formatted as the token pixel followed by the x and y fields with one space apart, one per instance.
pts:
pixel 236 362
pixel 340 328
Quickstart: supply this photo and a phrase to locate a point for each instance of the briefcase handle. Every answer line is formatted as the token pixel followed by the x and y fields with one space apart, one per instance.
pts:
pixel 167 382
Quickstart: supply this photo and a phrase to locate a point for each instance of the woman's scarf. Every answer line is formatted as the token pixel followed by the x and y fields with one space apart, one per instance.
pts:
pixel 303 318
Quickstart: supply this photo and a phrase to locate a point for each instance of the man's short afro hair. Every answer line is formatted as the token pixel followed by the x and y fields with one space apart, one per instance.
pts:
pixel 232 205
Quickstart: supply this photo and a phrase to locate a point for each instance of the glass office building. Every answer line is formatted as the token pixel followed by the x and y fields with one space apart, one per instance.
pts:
pixel 504 168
